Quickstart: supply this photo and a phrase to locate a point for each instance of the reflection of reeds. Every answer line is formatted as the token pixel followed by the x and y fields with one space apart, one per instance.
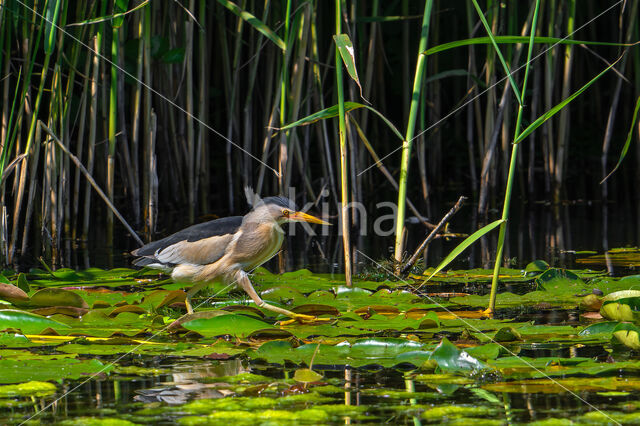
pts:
pixel 245 75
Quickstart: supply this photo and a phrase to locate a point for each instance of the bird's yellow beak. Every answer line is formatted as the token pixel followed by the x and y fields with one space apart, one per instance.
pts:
pixel 303 217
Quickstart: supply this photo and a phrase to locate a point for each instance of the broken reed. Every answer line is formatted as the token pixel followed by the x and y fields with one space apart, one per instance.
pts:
pixel 137 100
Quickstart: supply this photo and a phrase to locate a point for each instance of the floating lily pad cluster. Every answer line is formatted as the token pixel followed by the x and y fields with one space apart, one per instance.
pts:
pixel 65 325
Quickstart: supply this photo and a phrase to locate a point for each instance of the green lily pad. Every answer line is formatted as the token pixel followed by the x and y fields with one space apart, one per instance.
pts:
pixel 27 322
pixel 605 327
pixel 452 359
pixel 485 352
pixel 381 351
pixel 231 324
pixel 506 275
pixel 507 334
pixel 23 370
pixel 97 323
pixel 57 297
pixel 536 267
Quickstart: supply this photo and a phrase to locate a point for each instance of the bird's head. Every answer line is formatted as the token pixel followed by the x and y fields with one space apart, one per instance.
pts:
pixel 282 209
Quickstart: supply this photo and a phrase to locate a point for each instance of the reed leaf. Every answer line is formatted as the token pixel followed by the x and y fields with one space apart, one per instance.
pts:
pixel 454 73
pixel 512 169
pixel 255 23
pixel 627 143
pixel 345 47
pixel 514 40
pixel 51 20
pixel 332 112
pixel 558 107
pixel 466 243
pixel 115 16
pixel 514 86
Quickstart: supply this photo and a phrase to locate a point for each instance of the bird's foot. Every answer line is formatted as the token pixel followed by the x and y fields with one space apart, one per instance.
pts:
pixel 295 318
pixel 488 313
pixel 304 319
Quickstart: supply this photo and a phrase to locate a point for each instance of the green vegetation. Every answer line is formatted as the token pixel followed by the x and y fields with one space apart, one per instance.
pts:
pixel 108 326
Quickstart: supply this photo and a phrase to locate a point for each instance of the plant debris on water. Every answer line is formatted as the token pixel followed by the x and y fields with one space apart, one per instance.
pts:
pixel 386 349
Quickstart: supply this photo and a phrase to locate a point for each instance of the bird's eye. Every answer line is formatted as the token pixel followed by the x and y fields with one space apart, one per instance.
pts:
pixel 285 213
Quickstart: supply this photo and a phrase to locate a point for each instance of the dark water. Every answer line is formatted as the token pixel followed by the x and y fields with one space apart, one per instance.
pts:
pixel 536 231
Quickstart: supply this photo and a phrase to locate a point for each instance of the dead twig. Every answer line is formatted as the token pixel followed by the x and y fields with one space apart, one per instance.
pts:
pixel 432 235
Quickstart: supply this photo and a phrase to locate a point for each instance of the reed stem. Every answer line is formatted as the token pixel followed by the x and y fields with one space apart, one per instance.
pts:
pixel 344 216
pixel 408 141
pixel 512 169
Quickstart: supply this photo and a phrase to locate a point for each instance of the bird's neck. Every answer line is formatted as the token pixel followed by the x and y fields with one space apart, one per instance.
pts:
pixel 255 219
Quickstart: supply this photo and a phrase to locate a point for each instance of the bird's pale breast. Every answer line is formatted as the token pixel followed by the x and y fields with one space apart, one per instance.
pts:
pixel 256 247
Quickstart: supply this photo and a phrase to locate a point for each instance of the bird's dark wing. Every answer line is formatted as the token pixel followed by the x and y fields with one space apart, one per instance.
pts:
pixel 198 244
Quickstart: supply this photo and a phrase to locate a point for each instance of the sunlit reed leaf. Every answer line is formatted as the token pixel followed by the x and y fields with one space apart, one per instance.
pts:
pixel 514 86
pixel 116 17
pixel 345 47
pixel 255 23
pixel 512 167
pixel 557 108
pixel 119 9
pixel 332 112
pixel 464 245
pixel 51 20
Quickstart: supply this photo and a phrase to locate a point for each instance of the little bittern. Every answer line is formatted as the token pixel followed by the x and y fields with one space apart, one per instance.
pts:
pixel 225 249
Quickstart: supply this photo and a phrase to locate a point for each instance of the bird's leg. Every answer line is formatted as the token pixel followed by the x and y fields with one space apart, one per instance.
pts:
pixel 187 303
pixel 244 282
pixel 192 291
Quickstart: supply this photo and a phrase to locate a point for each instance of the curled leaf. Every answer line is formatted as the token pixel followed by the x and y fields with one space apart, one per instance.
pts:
pixel 12 294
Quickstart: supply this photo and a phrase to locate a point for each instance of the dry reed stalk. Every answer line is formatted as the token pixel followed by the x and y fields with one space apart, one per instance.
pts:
pixel 147 151
pixel 91 142
pixel 80 145
pixel 563 125
pixel 200 172
pixel 136 106
pixel 611 118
